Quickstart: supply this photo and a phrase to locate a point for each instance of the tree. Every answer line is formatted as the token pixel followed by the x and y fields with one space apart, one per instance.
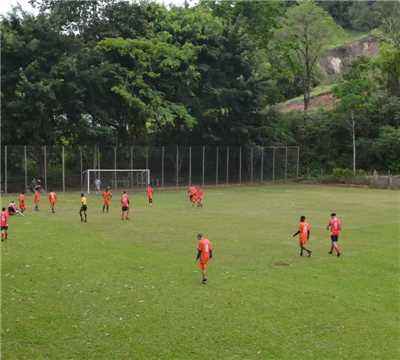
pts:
pixel 145 78
pixel 387 148
pixel 353 96
pixel 307 31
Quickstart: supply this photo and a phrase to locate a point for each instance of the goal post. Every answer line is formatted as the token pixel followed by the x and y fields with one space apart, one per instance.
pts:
pixel 97 179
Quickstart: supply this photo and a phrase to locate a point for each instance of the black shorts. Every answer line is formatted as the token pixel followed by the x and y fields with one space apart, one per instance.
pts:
pixel 83 207
pixel 11 210
pixel 4 228
pixel 334 238
pixel 125 208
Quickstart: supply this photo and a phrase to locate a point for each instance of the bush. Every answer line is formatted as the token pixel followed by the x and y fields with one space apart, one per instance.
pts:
pixel 345 176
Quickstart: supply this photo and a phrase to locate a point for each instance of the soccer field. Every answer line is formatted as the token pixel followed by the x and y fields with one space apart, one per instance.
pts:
pixel 131 290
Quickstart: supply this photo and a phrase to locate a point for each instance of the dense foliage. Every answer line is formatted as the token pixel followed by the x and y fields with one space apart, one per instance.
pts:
pixel 115 72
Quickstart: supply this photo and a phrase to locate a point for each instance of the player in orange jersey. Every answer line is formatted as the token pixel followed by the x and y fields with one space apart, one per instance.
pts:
pixel 198 197
pixel 53 201
pixel 36 199
pixel 192 194
pixel 150 193
pixel 4 223
pixel 21 202
pixel 107 196
pixel 335 227
pixel 204 253
pixel 304 235
pixel 124 206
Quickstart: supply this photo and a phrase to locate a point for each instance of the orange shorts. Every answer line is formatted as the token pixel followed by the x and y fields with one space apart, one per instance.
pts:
pixel 203 264
pixel 302 242
pixel 52 203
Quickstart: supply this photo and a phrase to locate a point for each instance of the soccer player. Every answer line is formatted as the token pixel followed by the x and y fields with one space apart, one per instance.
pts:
pixel 125 206
pixel 204 253
pixel 83 207
pixel 107 195
pixel 198 197
pixel 36 199
pixel 97 184
pixel 335 226
pixel 304 235
pixel 4 224
pixel 21 202
pixel 150 193
pixel 52 200
pixel 192 194
pixel 12 209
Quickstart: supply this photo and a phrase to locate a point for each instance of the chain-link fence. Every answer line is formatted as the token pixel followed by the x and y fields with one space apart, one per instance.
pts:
pixel 62 168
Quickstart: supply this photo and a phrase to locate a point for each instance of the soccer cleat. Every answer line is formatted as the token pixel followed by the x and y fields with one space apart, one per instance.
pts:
pixel 330 252
pixel 309 253
pixel 338 254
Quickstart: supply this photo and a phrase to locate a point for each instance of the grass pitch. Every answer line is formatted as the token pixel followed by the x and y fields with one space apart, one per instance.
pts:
pixel 131 290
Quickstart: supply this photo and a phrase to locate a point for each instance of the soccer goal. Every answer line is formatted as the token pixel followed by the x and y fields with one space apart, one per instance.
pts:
pixel 98 179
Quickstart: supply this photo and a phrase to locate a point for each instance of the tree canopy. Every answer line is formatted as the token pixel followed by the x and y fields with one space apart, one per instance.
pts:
pixel 113 72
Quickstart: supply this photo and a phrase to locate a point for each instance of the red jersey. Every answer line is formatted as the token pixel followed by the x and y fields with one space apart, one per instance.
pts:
pixel 107 197
pixel 304 228
pixel 150 192
pixel 36 197
pixel 199 194
pixel 52 197
pixel 335 226
pixel 21 201
pixel 4 218
pixel 192 190
pixel 125 200
pixel 205 247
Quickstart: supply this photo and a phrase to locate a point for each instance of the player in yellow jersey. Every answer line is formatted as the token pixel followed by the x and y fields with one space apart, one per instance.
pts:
pixel 83 207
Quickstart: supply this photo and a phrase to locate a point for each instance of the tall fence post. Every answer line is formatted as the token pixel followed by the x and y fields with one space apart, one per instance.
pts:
pixel 131 165
pixel 216 165
pixel 98 162
pixel 63 167
pixel 162 165
pixel 81 160
pixel 298 161
pixel 26 168
pixel 147 157
pixel 240 165
pixel 115 167
pixel 177 165
pixel 203 163
pixel 190 165
pixel 45 166
pixel 286 161
pixel 262 164
pixel 95 159
pixel 273 163
pixel 5 169
pixel 227 164
pixel 252 165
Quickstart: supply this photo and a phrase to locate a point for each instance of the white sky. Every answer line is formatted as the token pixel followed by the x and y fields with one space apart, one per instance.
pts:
pixel 6 5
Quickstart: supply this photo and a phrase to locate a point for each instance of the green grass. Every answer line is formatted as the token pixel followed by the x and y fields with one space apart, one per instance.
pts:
pixel 346 37
pixel 131 290
pixel 317 91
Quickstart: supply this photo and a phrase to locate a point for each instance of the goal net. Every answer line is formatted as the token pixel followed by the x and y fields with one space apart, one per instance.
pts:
pixel 99 179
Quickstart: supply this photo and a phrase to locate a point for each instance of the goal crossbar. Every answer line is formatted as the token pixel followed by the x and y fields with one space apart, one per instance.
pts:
pixel 89 171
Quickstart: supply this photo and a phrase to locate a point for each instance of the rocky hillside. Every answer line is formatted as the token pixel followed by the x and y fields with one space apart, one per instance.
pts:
pixel 335 60
pixel 332 64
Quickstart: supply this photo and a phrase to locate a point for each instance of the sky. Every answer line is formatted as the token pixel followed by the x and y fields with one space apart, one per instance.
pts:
pixel 6 5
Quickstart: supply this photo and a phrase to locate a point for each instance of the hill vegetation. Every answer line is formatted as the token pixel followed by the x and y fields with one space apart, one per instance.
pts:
pixel 121 73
